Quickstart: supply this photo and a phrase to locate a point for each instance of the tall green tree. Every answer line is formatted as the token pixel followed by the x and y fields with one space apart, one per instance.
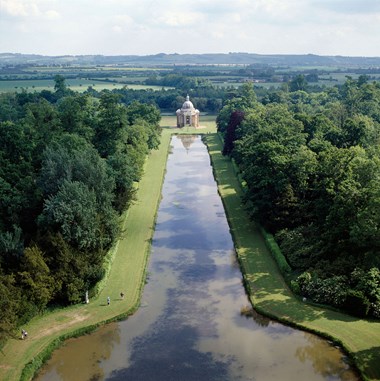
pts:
pixel 60 87
pixel 72 212
pixel 112 120
pixel 243 101
pixel 76 114
pixel 298 83
pixel 275 163
pixel 148 116
pixel 235 119
pixel 37 283
pixel 9 306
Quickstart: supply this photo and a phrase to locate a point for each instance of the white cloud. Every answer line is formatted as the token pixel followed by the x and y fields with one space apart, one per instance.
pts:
pixel 117 29
pixel 13 7
pixel 348 6
pixel 27 8
pixel 236 17
pixel 52 15
pixel 22 28
pixel 124 19
pixel 34 9
pixel 180 19
pixel 217 34
pixel 153 26
pixel 273 7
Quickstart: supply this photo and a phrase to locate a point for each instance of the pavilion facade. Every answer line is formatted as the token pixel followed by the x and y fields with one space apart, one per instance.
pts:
pixel 187 115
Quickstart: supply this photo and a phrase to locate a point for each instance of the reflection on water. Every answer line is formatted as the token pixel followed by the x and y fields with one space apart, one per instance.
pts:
pixel 330 363
pixel 190 326
pixel 80 359
pixel 187 140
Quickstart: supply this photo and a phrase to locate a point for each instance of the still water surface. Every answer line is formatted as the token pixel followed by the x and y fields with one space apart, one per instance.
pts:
pixel 189 326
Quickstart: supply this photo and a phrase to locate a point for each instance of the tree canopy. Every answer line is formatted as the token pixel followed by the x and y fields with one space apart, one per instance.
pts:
pixel 311 166
pixel 69 163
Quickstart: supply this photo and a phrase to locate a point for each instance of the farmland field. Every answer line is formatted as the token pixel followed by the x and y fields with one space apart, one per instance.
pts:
pixel 79 77
pixel 79 85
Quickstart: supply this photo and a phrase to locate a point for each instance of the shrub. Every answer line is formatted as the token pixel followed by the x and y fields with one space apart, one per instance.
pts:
pixel 375 308
pixel 326 291
pixel 368 283
pixel 276 253
pixel 303 282
pixel 356 303
pixel 295 287
pixel 295 248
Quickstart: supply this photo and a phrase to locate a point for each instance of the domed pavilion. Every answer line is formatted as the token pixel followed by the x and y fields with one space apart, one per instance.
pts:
pixel 188 115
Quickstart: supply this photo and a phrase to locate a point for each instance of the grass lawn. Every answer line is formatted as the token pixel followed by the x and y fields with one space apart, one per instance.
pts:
pixel 127 275
pixel 269 293
pixel 207 125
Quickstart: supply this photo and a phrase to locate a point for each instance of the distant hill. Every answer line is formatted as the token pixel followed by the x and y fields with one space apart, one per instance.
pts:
pixel 192 59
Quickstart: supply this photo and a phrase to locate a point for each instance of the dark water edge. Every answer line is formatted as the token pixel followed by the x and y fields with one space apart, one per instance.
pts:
pixel 189 326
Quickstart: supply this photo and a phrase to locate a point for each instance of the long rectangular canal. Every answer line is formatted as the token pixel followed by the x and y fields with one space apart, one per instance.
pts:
pixel 189 326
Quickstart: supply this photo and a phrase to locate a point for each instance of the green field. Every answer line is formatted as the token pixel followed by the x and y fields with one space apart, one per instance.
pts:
pixel 115 68
pixel 79 78
pixel 79 85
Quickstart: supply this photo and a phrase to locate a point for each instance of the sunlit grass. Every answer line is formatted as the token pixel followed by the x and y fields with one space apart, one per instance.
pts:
pixel 268 291
pixel 207 125
pixel 127 275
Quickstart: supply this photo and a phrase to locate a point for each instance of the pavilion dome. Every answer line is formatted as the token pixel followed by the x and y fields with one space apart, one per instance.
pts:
pixel 187 104
pixel 187 115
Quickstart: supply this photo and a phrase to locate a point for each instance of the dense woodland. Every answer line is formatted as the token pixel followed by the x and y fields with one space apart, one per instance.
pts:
pixel 309 158
pixel 205 98
pixel 69 163
pixel 311 167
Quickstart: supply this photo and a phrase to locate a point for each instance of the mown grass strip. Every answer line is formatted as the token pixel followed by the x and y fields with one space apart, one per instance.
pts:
pixel 268 291
pixel 22 358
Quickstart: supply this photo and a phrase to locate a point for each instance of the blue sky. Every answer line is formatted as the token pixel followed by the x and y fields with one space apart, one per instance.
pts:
pixel 113 27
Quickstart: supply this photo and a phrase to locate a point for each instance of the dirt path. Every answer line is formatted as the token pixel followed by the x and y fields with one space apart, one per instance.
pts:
pixel 74 318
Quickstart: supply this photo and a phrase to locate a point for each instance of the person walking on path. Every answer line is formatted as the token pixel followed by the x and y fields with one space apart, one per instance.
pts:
pixel 108 300
pixel 24 334
pixel 122 295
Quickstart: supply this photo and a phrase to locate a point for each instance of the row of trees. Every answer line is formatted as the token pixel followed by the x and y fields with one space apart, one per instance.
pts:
pixel 311 163
pixel 205 98
pixel 68 167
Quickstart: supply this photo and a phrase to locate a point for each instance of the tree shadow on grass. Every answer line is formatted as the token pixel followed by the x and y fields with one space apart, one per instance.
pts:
pixel 277 302
pixel 269 292
pixel 369 362
pixel 290 310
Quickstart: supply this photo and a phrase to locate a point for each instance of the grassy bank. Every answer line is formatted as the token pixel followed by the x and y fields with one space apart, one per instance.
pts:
pixel 127 274
pixel 269 293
